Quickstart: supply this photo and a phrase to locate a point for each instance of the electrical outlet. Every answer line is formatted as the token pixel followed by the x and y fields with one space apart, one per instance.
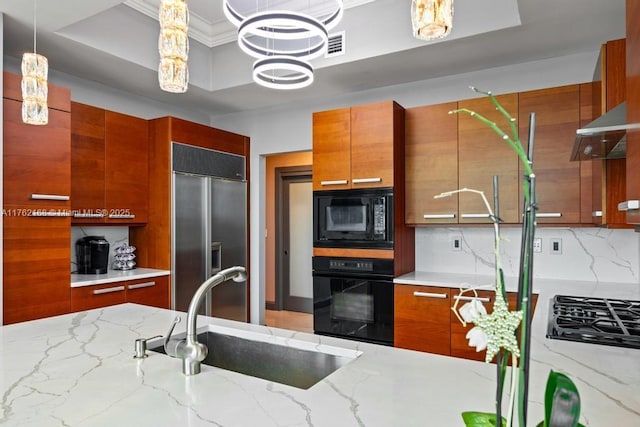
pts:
pixel 456 243
pixel 556 246
pixel 537 245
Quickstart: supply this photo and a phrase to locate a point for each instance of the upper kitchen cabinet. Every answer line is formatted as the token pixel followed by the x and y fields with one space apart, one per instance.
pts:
pixel 358 147
pixel 109 167
pixel 431 162
pixel 557 115
pixel 633 110
pixel 36 225
pixel 36 158
pixel 483 154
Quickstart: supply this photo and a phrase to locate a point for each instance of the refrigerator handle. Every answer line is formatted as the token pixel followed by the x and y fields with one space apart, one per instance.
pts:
pixel 216 257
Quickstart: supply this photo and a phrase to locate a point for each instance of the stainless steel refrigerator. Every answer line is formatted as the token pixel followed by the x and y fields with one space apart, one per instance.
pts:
pixel 209 218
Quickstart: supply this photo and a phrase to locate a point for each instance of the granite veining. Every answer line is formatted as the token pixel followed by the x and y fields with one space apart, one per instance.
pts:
pixel 78 370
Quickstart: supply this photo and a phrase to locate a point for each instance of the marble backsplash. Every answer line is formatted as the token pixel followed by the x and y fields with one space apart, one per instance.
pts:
pixel 116 236
pixel 588 254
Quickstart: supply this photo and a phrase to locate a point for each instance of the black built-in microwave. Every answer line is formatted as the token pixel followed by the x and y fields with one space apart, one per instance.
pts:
pixel 361 218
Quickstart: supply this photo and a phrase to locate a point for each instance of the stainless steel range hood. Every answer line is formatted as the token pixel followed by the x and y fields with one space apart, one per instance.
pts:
pixel 605 137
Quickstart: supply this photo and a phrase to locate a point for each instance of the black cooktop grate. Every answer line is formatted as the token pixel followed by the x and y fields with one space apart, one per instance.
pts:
pixel 604 321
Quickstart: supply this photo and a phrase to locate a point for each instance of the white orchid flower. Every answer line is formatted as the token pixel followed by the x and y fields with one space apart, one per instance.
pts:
pixel 472 310
pixel 477 338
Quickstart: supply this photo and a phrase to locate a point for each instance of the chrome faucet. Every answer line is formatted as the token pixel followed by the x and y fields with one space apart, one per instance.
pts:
pixel 189 349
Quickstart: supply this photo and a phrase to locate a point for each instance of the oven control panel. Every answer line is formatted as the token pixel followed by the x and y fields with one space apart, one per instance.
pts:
pixel 350 265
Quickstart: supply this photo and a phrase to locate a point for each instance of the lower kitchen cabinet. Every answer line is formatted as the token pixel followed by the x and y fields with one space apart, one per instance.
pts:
pixel 150 291
pixel 421 318
pixel 154 291
pixel 425 322
pixel 36 262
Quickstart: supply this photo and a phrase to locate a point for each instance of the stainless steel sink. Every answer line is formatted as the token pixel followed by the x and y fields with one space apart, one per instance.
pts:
pixel 292 362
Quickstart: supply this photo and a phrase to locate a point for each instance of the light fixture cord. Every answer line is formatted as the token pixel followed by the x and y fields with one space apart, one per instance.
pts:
pixel 34 26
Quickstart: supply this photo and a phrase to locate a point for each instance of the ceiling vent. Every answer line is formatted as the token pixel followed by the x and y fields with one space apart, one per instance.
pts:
pixel 335 46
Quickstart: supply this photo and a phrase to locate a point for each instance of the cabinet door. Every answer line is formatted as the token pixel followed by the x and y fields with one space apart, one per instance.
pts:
pixel 152 291
pixel 127 168
pixel 431 158
pixel 557 113
pixel 36 260
pixel 483 154
pixel 332 149
pixel 372 145
pixel 633 108
pixel 459 342
pixel 36 159
pixel 422 318
pixel 98 296
pixel 87 164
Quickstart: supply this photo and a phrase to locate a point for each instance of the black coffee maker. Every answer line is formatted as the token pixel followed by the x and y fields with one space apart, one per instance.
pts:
pixel 92 255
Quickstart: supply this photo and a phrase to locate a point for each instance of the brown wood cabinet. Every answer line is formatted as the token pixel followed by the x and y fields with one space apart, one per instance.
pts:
pixel 481 155
pixel 557 113
pixel 109 166
pixel 357 147
pixel 421 318
pixel 633 108
pixel 424 321
pixel 431 160
pixel 36 225
pixel 150 291
pixel 154 291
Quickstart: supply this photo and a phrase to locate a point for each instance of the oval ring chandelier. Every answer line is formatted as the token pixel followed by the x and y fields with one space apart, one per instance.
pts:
pixel 282 41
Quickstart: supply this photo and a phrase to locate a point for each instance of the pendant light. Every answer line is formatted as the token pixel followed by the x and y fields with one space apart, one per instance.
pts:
pixel 431 19
pixel 282 41
pixel 173 45
pixel 35 69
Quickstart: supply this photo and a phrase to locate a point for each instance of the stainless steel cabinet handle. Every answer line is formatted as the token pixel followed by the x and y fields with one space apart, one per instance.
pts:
pixel 475 215
pixel 88 215
pixel 628 205
pixel 366 180
pixel 49 197
pixel 548 214
pixel 108 290
pixel 336 182
pixel 596 214
pixel 439 216
pixel 466 298
pixel 121 216
pixel 429 295
pixel 141 285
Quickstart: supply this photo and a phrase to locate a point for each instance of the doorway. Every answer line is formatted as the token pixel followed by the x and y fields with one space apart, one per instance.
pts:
pixel 294 244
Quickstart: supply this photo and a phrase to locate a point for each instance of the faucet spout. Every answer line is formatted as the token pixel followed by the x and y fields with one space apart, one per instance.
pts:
pixel 190 350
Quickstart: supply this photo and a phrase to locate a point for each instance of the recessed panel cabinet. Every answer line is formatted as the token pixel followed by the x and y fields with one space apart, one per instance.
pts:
pixel 109 167
pixel 431 161
pixel 357 147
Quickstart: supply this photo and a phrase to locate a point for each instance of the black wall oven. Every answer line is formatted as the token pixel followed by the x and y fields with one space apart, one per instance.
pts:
pixel 361 218
pixel 353 298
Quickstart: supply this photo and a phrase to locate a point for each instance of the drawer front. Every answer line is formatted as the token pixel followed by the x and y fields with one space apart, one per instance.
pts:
pixel 422 318
pixel 98 296
pixel 153 291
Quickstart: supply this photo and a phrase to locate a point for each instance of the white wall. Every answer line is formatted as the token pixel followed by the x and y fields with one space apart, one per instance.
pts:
pixel 288 128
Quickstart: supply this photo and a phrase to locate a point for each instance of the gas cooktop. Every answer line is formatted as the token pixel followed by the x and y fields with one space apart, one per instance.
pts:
pixel 603 321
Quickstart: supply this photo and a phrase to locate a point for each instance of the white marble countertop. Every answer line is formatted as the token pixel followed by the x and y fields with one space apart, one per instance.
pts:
pixel 78 370
pixel 78 280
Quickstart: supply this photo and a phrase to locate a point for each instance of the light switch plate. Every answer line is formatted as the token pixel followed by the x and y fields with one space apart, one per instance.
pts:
pixel 556 246
pixel 456 243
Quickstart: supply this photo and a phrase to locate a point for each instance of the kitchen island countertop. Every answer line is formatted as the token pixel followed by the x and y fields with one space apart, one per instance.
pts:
pixel 78 370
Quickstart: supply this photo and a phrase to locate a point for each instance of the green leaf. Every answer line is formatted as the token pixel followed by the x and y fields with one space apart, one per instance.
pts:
pixel 561 402
pixel 480 419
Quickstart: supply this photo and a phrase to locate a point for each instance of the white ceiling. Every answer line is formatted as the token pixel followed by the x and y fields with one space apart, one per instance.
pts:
pixel 114 42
